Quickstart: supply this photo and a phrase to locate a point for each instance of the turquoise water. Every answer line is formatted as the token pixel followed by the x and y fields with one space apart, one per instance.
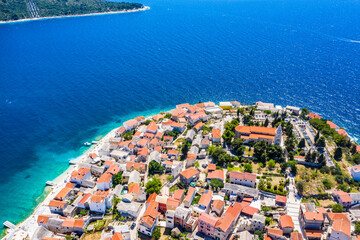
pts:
pixel 67 81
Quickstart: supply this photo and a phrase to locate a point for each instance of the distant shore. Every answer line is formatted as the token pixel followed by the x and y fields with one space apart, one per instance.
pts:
pixel 79 15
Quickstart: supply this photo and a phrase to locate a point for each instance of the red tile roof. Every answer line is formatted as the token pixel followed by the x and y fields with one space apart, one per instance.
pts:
pixel 211 167
pixel 190 172
pixel 281 199
pixel 286 221
pixel 204 217
pixel 313 233
pixel 134 188
pixel 332 125
pixel 189 194
pixel 249 210
pixel 178 194
pixel 314 115
pixel 85 198
pixel 296 236
pixel 152 127
pixel 217 174
pixel 206 198
pixel 275 232
pixel 217 204
pixel 216 133
pixel 80 173
pixel 151 198
pixel 243 175
pixel 43 219
pixel 344 196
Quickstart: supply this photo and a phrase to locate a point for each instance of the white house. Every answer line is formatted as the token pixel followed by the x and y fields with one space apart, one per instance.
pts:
pixel 77 176
pixel 355 172
pixel 245 179
pixel 104 182
pixel 149 220
pixel 100 201
pixel 170 215
pixel 130 124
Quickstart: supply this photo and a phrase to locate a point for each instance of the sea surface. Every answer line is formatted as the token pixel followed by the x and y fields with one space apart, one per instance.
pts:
pixel 67 81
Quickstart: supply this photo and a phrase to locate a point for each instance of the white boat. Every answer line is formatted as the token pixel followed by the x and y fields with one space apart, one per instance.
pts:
pixel 87 144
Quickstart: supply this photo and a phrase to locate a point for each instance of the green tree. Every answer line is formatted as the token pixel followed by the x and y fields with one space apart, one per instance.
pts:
pixel 321 142
pixel 271 163
pixel 260 234
pixel 301 143
pixel 153 186
pixel 337 208
pixel 356 158
pixel 293 166
pixel 228 136
pixel 197 164
pixel 308 156
pixel 284 166
pixel 304 113
pixel 259 150
pixel 321 159
pixel 327 183
pixel 317 136
pixel 156 234
pixel 274 151
pixel 238 146
pixel 300 185
pixel 248 167
pixel 357 227
pixel 155 167
pixel 338 153
pixel 128 135
pixel 117 179
pixel 216 183
pixel 266 123
pixel 147 122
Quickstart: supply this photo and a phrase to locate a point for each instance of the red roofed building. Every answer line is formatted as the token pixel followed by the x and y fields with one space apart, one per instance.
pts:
pixel 149 220
pixel 314 115
pixel 343 198
pixel 179 195
pixel 217 206
pixel 207 224
pixel 84 202
pixel 152 128
pixel 333 125
pixel 189 197
pixel 226 223
pixel 342 132
pixel 116 236
pixel 205 201
pixel 280 200
pixel 130 124
pixel 296 236
pixel 216 135
pixel 57 206
pixel 211 167
pixel 245 178
pixel 286 224
pixel 217 174
pixel 120 131
pixel 256 134
pixel 77 176
pixel 189 175
pixel 198 126
pixel 275 234
pixel 340 226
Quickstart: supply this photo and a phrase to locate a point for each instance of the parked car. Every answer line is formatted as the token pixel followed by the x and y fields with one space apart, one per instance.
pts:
pixel 132 226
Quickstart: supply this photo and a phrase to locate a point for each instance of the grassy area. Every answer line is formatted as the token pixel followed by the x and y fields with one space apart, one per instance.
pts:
pixel 239 169
pixel 162 177
pixel 92 236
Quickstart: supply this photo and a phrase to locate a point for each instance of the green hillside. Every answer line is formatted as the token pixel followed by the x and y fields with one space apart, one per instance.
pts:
pixel 17 9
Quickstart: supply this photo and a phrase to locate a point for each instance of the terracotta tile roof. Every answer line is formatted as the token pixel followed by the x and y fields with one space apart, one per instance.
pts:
pixel 206 198
pixel 342 132
pixel 109 162
pixel 158 117
pixel 172 203
pixel 43 219
pixel 266 237
pixel 121 129
pixel 178 194
pixel 190 193
pixel 158 149
pixel 218 174
pixel 217 204
pixel 248 199
pixel 275 232
pixel 204 217
pixel 154 141
pixel 313 216
pixel 131 122
pixel 296 236
pixel 286 221
pixel 314 115
pixel 97 199
pixel 151 198
pixel 313 233
pixel 73 223
pixel 173 152
pixel 93 155
pixel 70 185
pixel 63 193
pixel 341 224
pixel 357 148
pixel 85 198
pixel 344 196
pixel 211 167
pixel 105 178
pixel 143 142
pixel 216 133
pixel 198 126
pixel 331 124
pixel 139 118
pixel 143 151
pixel 183 105
pixel 281 199
pixel 229 217
pixel 117 236
pixel 113 169
pixel 159 135
pixel 57 203
pixel 137 134
pixel 80 173
pixel 134 188
pixel 191 156
pixel 255 130
pixel 190 172
pixel 150 215
pixel 249 210
pixel 152 127
pixel 243 175
pixel 168 138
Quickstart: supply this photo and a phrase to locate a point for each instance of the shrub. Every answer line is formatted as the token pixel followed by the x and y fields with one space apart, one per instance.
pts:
pixel 337 208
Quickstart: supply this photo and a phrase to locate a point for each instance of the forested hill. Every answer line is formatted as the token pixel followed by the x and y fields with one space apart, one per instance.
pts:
pixel 22 9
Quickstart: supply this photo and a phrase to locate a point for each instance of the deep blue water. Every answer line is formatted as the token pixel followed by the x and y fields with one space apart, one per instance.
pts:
pixel 67 81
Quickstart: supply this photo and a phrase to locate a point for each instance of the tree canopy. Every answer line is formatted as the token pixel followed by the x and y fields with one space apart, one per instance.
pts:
pixel 155 167
pixel 153 186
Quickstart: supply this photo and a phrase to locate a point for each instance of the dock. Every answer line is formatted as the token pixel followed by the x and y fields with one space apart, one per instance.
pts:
pixel 9 225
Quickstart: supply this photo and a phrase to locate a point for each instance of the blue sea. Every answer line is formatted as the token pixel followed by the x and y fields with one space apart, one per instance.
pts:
pixel 67 81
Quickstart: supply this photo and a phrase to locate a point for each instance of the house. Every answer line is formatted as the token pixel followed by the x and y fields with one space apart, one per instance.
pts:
pixel 152 128
pixel 217 174
pixel 189 175
pixel 294 110
pixel 198 126
pixel 286 224
pixel 296 236
pixel 179 195
pixel 190 160
pixel 181 216
pixel 217 207
pixel 333 125
pixel 105 181
pixel 204 203
pixel 150 199
pixel 340 226
pixel 129 209
pixel 161 200
pixel 70 225
pixel 134 177
pixel 275 234
pixel 57 206
pixel 235 104
pixel 149 220
pixel 248 210
pixel 140 167
pixel 174 167
pixel 189 197
pixel 63 194
pixel 314 115
pixel 355 172
pixel 207 224
pixel 120 131
pixel 84 202
pixel 197 118
pixel 170 218
pixel 211 167
pixel 311 219
pixel 342 198
pixel 137 193
pixel 245 178
pixel 172 204
pixel 226 223
pixel 142 143
pixel 173 153
pixel 183 106
pixel 190 135
pixel 77 176
pixel 256 134
pixel 216 135
pixel 205 143
pixel 116 236
pixel 258 222
pixel 191 224
pixel 100 201
pixel 280 200
pixel 142 153
pixel 235 191
pixel 130 124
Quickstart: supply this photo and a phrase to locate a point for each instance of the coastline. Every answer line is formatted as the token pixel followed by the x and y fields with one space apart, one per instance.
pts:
pixel 71 16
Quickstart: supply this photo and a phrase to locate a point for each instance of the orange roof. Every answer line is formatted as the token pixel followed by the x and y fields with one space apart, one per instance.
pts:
pixel 85 198
pixel 137 134
pixel 57 203
pixel 151 198
pixel 217 204
pixel 171 202
pixel 255 130
pixel 152 127
pixel 216 133
pixel 150 214
pixel 158 148
pixel 113 169
pixel 198 126
pixel 178 194
pixel 109 162
pixel 204 217
pixel 211 167
pixel 344 196
pixel 134 188
pixel 183 105
pixel 92 155
pixel 286 221
pixel 168 138
pixel 143 151
pixel 216 174
pixel 97 199
pixel 121 129
pixel 296 236
pixel 332 125
pixel 158 117
pixel 190 172
pixel 274 231
pixel 257 136
pixel 280 199
pixel 80 173
pixel 154 141
pixel 314 115
pixel 131 122
pixel 357 148
pixel 314 216
pixel 105 178
pixel 71 223
pixel 243 176
pixel 342 132
pixel 229 216
pixel 117 236
pixel 143 142
pixel 313 233
pixel 139 118
pixel 191 156
pixel 70 185
pixel 159 135
pixel 249 210
pixel 341 223
pixel 43 219
pixel 173 152
pixel 189 194
pixel 206 198
pixel 63 193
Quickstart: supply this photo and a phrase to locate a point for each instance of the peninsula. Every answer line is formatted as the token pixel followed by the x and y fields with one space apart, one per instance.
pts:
pixel 14 10
pixel 219 171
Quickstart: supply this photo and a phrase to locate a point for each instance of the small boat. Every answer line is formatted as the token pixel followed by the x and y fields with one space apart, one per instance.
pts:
pixel 87 144
pixel 50 183
pixel 94 142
